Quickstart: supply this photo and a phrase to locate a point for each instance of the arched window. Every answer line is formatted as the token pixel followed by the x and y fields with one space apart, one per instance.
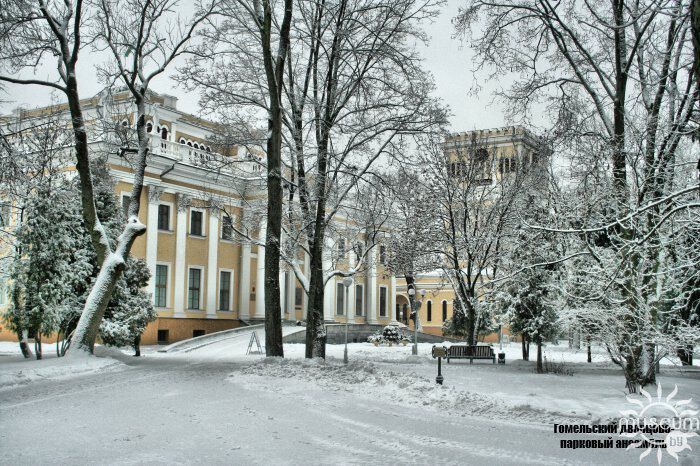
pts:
pixel 189 143
pixel 125 123
pixel 208 149
pixel 149 127
pixel 164 133
pixel 195 145
pixel 444 311
pixel 182 141
pixel 430 311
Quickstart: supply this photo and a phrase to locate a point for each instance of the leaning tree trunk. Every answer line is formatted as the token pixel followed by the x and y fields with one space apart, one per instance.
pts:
pixel 112 268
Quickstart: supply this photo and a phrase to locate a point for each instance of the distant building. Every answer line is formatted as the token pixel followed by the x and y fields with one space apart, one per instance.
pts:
pixel 486 157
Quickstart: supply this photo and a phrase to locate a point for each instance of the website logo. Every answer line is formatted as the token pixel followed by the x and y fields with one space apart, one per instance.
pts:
pixel 659 424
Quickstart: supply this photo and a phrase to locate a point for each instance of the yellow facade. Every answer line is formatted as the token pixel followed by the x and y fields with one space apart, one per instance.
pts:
pixel 195 196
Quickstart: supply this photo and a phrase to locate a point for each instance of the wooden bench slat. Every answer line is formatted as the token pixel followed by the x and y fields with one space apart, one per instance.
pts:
pixel 470 352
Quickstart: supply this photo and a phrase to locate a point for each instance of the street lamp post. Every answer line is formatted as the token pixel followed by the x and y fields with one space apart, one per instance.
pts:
pixel 347 282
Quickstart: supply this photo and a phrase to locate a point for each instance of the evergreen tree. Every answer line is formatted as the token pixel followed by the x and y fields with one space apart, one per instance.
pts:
pixel 51 260
pixel 57 268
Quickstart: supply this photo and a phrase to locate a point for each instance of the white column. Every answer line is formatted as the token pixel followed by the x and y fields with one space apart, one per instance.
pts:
pixel 183 203
pixel 244 283
pixel 172 137
pixel 283 292
pixel 329 290
pixel 350 305
pixel 291 293
pixel 212 261
pixel 154 193
pixel 260 274
pixel 392 295
pixel 372 310
pixel 307 273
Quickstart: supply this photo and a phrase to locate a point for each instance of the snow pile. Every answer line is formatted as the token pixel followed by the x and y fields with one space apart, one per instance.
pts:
pixel 374 381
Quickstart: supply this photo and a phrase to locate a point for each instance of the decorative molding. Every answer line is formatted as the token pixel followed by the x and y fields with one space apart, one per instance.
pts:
pixel 183 202
pixel 154 193
pixel 216 205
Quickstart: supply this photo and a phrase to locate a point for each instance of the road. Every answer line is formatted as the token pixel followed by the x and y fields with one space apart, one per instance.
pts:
pixel 198 408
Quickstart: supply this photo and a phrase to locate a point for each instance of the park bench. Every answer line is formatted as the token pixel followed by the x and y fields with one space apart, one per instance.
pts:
pixel 471 353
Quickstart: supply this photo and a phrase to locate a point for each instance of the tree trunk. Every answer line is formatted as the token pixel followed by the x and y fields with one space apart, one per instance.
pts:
pixel 274 71
pixel 315 328
pixel 37 345
pixel 526 347
pixel 471 323
pixel 686 354
pixel 648 366
pixel 24 345
pixel 589 356
pixel 111 263
pixel 695 21
pixel 137 346
pixel 89 323
pixel 540 365
pixel 273 309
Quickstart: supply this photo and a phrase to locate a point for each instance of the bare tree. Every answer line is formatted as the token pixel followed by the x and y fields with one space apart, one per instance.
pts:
pixel 618 78
pixel 476 213
pixel 347 114
pixel 30 35
pixel 240 71
pixel 344 108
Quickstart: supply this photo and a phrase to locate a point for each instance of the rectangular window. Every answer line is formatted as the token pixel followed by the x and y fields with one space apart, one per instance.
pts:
pixel 163 217
pixel 126 200
pixel 341 248
pixel 163 337
pixel 194 289
pixel 506 165
pixel 382 301
pixel 161 286
pixel 339 299
pixel 196 223
pixel 227 228
pixel 382 254
pixel 359 300
pixel 225 291
pixel 298 297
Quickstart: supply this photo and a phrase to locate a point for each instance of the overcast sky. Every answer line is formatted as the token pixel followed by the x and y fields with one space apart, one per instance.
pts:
pixel 446 58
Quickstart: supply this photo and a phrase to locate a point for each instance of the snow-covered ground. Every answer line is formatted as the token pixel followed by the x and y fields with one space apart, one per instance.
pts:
pixel 216 405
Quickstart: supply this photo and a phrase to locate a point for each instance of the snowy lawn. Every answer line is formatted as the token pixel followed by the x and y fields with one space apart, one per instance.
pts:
pixel 595 392
pixel 217 405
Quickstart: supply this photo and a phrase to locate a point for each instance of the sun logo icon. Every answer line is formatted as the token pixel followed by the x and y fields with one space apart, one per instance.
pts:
pixel 659 416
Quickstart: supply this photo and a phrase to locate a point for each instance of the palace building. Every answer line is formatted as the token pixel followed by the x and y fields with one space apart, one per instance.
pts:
pixel 204 277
